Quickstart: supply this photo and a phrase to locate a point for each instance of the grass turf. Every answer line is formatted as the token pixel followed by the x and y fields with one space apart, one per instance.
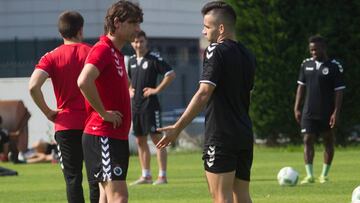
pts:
pixel 44 182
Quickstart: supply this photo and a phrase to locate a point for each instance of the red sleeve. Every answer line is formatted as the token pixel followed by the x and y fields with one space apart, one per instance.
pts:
pixel 98 56
pixel 45 64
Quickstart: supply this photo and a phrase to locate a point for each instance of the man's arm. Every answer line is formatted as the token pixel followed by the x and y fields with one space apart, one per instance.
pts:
pixel 338 102
pixel 37 79
pixel 195 106
pixel 298 99
pixel 163 84
pixel 86 83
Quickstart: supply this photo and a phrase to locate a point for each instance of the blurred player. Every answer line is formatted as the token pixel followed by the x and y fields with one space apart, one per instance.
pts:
pixel 143 69
pixel 323 80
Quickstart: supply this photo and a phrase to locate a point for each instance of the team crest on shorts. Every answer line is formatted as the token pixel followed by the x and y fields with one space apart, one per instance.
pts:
pixel 118 171
pixel 325 71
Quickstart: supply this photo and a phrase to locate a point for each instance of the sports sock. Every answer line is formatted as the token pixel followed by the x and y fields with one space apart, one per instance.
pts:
pixel 309 170
pixel 162 173
pixel 325 169
pixel 146 173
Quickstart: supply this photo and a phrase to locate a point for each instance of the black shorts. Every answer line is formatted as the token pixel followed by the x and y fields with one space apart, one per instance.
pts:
pixel 218 159
pixel 69 151
pixel 106 159
pixel 145 123
pixel 314 126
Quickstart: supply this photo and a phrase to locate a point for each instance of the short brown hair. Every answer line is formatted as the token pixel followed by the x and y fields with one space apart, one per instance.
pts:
pixel 123 10
pixel 141 34
pixel 70 23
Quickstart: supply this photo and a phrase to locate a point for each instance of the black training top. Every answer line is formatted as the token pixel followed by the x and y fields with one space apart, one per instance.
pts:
pixel 230 67
pixel 321 80
pixel 144 73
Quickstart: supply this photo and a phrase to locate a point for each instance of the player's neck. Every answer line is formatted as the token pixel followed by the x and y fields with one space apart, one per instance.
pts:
pixel 141 53
pixel 71 41
pixel 118 43
pixel 225 36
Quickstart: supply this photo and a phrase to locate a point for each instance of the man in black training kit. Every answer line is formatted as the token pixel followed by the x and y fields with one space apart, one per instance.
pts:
pixel 323 80
pixel 143 69
pixel 225 85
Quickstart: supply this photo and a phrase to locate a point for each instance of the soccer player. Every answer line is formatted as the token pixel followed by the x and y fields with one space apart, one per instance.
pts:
pixel 322 79
pixel 104 83
pixel 143 70
pixel 225 85
pixel 63 65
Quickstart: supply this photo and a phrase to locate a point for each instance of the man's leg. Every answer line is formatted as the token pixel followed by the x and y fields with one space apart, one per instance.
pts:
pixel 309 152
pixel 329 140
pixel 221 186
pixel 144 158
pixel 116 191
pixel 241 191
pixel 71 162
pixel 161 155
pixel 102 198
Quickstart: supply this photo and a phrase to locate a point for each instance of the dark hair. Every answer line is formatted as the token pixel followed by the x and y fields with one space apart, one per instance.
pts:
pixel 317 39
pixel 70 23
pixel 141 34
pixel 224 10
pixel 123 10
pixel 0 120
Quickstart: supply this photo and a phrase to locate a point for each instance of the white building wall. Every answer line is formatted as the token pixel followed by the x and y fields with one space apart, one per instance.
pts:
pixel 28 19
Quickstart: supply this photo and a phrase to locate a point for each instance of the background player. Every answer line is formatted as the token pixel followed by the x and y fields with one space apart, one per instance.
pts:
pixel 322 78
pixel 143 69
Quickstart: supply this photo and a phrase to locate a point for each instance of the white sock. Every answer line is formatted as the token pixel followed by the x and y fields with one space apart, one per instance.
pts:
pixel 162 173
pixel 146 173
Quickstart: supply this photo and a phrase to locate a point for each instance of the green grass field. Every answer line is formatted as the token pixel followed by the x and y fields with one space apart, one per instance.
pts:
pixel 44 182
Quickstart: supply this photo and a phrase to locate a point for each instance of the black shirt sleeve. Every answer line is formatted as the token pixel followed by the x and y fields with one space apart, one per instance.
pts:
pixel 161 66
pixel 211 66
pixel 301 79
pixel 339 77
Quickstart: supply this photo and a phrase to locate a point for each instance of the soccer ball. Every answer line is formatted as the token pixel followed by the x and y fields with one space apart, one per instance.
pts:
pixel 356 195
pixel 287 176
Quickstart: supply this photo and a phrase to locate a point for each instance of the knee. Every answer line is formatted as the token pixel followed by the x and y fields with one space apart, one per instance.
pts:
pixel 308 141
pixel 141 142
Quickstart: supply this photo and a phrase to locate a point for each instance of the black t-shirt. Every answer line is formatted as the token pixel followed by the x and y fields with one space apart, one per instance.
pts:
pixel 144 73
pixel 230 67
pixel 321 80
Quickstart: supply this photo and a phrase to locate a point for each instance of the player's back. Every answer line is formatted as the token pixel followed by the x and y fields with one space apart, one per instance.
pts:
pixel 63 65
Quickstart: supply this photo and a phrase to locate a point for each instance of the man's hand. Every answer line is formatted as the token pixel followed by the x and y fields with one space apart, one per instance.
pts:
pixel 148 91
pixel 114 117
pixel 131 92
pixel 297 114
pixel 333 120
pixel 51 114
pixel 171 133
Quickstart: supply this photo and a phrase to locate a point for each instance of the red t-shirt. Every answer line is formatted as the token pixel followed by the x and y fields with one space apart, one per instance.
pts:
pixel 63 65
pixel 112 86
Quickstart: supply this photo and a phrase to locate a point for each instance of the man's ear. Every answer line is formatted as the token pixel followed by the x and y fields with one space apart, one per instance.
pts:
pixel 221 28
pixel 116 22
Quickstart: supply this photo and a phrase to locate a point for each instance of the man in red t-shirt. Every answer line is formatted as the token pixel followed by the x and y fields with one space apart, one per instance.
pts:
pixel 104 83
pixel 63 65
